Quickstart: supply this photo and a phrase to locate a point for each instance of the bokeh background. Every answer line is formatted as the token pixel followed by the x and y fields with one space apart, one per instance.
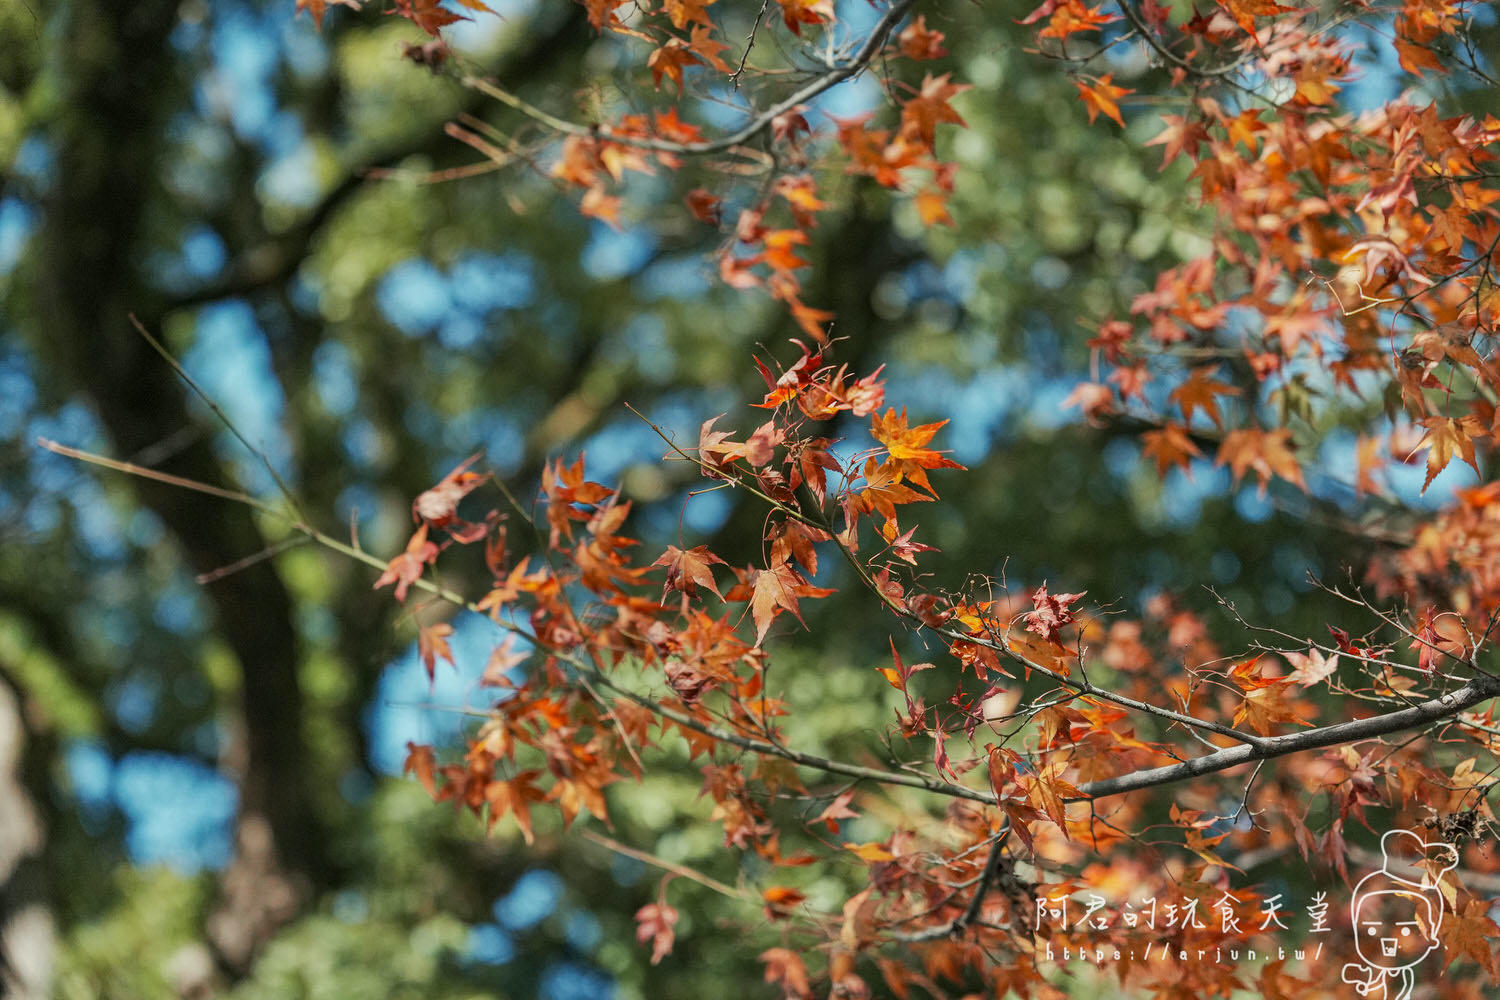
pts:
pixel 200 786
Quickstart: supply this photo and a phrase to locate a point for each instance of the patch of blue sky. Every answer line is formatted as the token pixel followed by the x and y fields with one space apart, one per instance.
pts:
pixel 245 57
pixel 96 520
pixel 229 358
pixel 627 871
pixel 18 220
pixel 362 442
pixel 176 607
pixel 463 332
pixel 1182 495
pixel 133 700
pixel 489 944
pixel 706 512
pixel 621 444
pixel 482 282
pixel 679 278
pixel 334 379
pixel 414 296
pixel 34 161
pixel 575 981
pixel 90 772
pixel 180 813
pixel 643 343
pixel 42 516
pixel 504 444
pixel 961 274
pixel 143 529
pixel 611 254
pixel 188 34
pixel 583 931
pixel 305 52
pixel 1253 504
pixel 1379 75
pixel 291 178
pixel 407 706
pixel 71 424
pixel 17 389
pixel 531 900
pixel 203 253
pixel 476 34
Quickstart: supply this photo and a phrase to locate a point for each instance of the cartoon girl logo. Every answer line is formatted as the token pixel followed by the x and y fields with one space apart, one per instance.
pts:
pixel 1396 915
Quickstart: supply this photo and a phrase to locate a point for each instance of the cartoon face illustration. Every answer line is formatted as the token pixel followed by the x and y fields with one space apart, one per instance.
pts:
pixel 1394 929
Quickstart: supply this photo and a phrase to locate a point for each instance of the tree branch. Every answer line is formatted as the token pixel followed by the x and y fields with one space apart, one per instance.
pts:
pixel 1446 706
pixel 762 121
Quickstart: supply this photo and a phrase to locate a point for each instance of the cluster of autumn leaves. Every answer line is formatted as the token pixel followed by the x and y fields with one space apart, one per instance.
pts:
pixel 1350 270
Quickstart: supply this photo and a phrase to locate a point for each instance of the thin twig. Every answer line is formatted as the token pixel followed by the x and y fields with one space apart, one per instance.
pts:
pixel 182 373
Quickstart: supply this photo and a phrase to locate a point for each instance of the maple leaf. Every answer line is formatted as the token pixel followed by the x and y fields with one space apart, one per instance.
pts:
pixel 1268 453
pixel 921 115
pixel 785 966
pixel 432 643
pixel 1312 667
pixel 932 208
pixel 795 540
pixel 1446 437
pixel 515 797
pixel 776 590
pixel 919 42
pixel 902 546
pixel 704 205
pixel 1170 447
pixel 1180 136
pixel 707 49
pixel 871 853
pixel 598 204
pixel 1045 791
pixel 715 450
pixel 427 14
pixel 906 446
pixel 406 568
pixel 1050 612
pixel 687 570
pixel 1437 633
pixel 1198 393
pixel 796 13
pixel 317 7
pixel 884 490
pixel 1101 95
pixel 655 923
pixel 1471 933
pixel 684 12
pixel 503 659
pixel 837 810
pixel 670 60
pixel 1265 706
pixel 421 762
pixel 1094 399
pixel 438 506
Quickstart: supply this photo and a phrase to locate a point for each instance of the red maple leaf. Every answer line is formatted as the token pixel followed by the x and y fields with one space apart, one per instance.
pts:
pixel 1051 612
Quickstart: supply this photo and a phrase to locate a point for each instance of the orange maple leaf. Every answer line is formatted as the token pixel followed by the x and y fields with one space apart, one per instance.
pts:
pixel 1267 453
pixel 1446 437
pixel 1198 393
pixel 670 60
pixel 1170 447
pixel 921 115
pixel 406 568
pixel 688 569
pixel 1101 95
